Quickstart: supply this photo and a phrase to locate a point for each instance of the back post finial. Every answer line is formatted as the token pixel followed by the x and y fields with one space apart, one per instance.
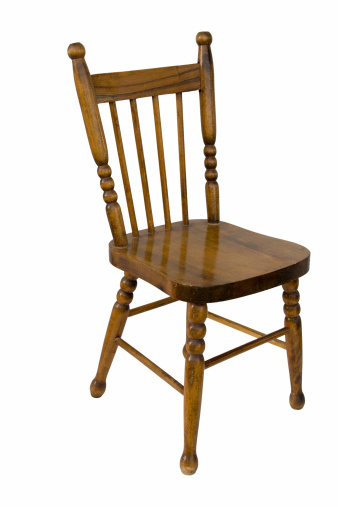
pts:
pixel 204 38
pixel 208 123
pixel 76 50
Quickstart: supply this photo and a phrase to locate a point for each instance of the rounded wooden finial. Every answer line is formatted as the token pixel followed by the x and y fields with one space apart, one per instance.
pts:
pixel 203 38
pixel 76 50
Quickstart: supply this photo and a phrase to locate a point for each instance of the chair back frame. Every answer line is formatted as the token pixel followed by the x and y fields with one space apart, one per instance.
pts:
pixel 112 87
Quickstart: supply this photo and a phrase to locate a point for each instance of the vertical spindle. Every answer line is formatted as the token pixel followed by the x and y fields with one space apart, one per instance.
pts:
pixel 142 164
pixel 181 151
pixel 161 161
pixel 124 169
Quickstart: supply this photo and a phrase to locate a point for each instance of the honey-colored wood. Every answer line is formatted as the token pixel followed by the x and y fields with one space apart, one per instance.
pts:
pixel 208 123
pixel 149 364
pixel 244 329
pixel 181 151
pixel 293 338
pixel 151 306
pixel 115 328
pixel 142 164
pixel 92 120
pixel 161 161
pixel 193 384
pixel 135 84
pixel 244 348
pixel 196 261
pixel 222 261
pixel 87 98
pixel 124 169
pixel 113 209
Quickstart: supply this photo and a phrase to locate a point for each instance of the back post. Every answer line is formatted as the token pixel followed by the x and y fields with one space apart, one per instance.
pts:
pixel 92 120
pixel 208 123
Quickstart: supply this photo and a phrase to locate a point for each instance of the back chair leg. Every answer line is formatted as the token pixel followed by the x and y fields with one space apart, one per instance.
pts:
pixel 293 340
pixel 193 383
pixel 115 328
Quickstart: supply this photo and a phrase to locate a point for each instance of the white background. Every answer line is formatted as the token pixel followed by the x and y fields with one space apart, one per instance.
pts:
pixel 277 110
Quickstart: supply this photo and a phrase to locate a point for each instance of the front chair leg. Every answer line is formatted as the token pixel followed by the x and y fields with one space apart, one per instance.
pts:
pixel 193 383
pixel 115 328
pixel 293 340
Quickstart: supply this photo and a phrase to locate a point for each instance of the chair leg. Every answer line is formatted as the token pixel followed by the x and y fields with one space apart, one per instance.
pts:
pixel 193 383
pixel 115 328
pixel 293 340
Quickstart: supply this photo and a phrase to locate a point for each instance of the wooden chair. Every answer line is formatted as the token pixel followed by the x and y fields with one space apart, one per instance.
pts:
pixel 196 261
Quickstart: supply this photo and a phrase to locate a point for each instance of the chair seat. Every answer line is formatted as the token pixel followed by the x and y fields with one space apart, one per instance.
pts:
pixel 206 262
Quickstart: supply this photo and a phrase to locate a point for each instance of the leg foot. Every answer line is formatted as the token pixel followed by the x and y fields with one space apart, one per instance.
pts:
pixel 115 328
pixel 293 339
pixel 97 388
pixel 193 383
pixel 297 402
pixel 189 464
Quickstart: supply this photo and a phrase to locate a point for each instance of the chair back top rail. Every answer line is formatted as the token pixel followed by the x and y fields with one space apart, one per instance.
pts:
pixel 135 84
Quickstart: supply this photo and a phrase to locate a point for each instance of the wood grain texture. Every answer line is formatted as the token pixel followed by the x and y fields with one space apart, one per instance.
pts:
pixel 142 164
pixel 211 262
pixel 181 151
pixel 193 383
pixel 244 329
pixel 87 99
pixel 115 328
pixel 161 161
pixel 92 120
pixel 149 364
pixel 124 169
pixel 196 261
pixel 146 83
pixel 151 306
pixel 293 338
pixel 113 210
pixel 208 123
pixel 245 347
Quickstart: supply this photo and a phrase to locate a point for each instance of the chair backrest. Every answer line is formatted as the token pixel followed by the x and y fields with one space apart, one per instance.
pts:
pixel 112 87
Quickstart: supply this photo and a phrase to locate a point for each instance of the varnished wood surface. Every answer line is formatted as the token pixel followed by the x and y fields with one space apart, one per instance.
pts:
pixel 151 306
pixel 124 169
pixel 161 162
pixel 219 261
pixel 193 383
pixel 115 328
pixel 135 84
pixel 294 343
pixel 96 138
pixel 149 364
pixel 181 152
pixel 142 165
pixel 244 329
pixel 87 98
pixel 244 348
pixel 208 123
pixel 197 261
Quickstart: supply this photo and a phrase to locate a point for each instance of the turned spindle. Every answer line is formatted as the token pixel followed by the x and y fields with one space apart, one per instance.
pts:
pixel 97 141
pixel 208 123
pixel 115 328
pixel 293 339
pixel 193 383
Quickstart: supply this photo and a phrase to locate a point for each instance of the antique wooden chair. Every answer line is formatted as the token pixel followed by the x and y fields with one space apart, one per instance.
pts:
pixel 196 261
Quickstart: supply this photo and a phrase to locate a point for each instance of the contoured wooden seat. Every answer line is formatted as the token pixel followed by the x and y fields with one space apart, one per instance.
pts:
pixel 196 261
pixel 210 262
